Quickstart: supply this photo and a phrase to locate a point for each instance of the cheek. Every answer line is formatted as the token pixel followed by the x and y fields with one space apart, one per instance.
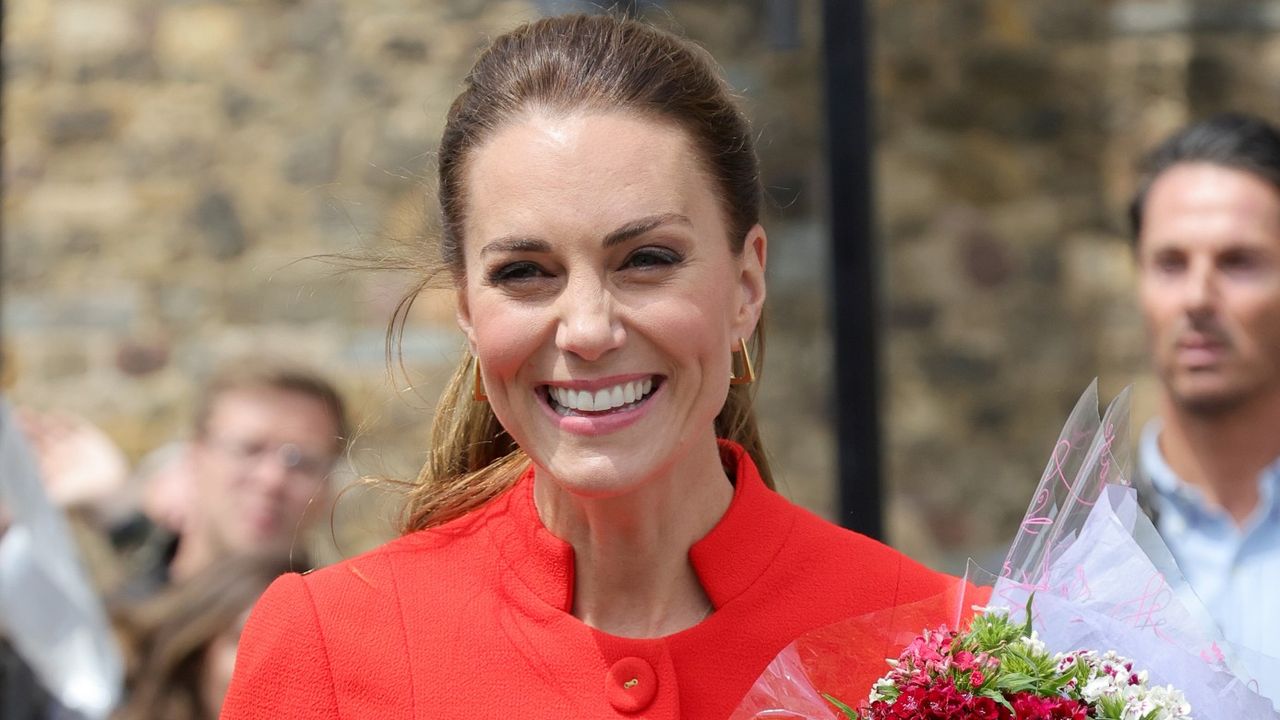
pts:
pixel 507 336
pixel 1260 319
pixel 1158 307
pixel 691 329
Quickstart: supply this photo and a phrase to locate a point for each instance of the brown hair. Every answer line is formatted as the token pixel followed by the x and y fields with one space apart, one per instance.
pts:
pixel 257 375
pixel 1231 140
pixel 561 65
pixel 167 637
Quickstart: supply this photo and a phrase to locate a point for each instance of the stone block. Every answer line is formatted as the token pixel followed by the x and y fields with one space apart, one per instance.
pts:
pixel 90 32
pixel 218 221
pixel 199 39
pixel 312 159
pixel 136 357
pixel 105 205
pixel 89 124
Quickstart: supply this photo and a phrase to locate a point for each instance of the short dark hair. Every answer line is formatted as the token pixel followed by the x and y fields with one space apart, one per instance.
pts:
pixel 1233 140
pixel 260 375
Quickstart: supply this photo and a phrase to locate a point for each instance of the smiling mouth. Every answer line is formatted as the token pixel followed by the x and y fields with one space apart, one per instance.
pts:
pixel 617 398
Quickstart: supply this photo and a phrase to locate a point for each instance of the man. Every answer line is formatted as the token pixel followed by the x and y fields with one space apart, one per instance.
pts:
pixel 265 442
pixel 1206 224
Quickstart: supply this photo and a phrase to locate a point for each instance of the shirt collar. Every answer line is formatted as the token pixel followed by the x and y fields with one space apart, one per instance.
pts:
pixel 727 560
pixel 1162 477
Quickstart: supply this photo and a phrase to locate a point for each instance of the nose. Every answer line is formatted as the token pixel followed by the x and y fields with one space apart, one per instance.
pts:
pixel 270 473
pixel 1201 290
pixel 589 326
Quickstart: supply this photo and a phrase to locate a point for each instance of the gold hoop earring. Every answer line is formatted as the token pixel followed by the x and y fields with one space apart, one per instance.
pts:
pixel 748 374
pixel 477 387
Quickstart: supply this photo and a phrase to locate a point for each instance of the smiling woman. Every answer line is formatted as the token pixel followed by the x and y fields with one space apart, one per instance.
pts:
pixel 595 532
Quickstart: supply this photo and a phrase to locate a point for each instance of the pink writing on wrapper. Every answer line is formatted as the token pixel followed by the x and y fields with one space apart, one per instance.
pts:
pixel 1060 454
pixel 1110 435
pixel 1144 610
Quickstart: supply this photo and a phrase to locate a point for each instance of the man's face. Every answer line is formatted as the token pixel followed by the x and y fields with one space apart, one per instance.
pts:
pixel 264 457
pixel 1209 283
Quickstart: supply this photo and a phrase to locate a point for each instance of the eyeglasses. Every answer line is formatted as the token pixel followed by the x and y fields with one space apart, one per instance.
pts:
pixel 290 456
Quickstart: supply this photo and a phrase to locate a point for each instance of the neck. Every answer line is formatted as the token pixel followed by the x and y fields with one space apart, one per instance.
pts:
pixel 1223 454
pixel 632 575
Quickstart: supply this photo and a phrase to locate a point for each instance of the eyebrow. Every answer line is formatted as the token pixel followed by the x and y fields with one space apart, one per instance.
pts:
pixel 633 229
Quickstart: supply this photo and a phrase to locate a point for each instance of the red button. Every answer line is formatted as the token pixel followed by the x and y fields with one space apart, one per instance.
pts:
pixel 631 685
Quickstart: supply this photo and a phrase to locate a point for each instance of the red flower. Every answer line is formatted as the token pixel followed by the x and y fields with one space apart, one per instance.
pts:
pixel 939 700
pixel 1027 706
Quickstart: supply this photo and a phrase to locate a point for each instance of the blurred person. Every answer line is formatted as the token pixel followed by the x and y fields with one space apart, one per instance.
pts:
pixel 165 477
pixel 182 643
pixel 266 438
pixel 595 532
pixel 87 475
pixel 58 657
pixel 82 467
pixel 1206 227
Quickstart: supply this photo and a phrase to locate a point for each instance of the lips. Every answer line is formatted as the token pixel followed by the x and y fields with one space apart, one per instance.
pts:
pixel 1196 349
pixel 615 397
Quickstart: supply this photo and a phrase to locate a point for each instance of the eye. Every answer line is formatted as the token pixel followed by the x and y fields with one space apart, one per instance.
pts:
pixel 1239 261
pixel 1168 262
pixel 649 256
pixel 515 272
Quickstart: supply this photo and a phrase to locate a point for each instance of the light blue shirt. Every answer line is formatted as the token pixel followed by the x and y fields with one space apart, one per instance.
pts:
pixel 1235 570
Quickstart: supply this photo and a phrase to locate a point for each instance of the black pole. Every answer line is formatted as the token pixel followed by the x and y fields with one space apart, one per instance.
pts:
pixel 849 133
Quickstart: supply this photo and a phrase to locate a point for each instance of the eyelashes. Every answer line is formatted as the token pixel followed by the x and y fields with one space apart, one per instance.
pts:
pixel 514 272
pixel 645 259
pixel 649 256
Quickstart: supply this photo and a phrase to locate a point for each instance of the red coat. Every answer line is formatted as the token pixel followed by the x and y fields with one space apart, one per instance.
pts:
pixel 472 620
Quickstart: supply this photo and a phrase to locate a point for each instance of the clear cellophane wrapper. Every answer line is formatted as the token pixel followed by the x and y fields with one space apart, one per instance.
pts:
pixel 1101 578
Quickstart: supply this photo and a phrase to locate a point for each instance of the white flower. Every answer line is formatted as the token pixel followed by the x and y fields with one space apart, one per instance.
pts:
pixel 1033 643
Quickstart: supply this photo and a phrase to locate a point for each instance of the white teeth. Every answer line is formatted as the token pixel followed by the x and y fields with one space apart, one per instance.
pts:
pixel 603 399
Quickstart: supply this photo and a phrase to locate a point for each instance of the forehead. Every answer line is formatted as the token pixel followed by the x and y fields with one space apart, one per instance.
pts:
pixel 1203 203
pixel 586 172
pixel 265 412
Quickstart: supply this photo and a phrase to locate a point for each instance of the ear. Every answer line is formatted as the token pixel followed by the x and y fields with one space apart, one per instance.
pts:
pixel 751 283
pixel 463 316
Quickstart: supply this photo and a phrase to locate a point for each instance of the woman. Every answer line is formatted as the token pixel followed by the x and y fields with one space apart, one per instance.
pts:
pixel 594 532
pixel 183 642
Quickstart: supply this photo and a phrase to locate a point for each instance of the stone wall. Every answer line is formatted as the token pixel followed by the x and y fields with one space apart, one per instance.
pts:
pixel 173 169
pixel 171 166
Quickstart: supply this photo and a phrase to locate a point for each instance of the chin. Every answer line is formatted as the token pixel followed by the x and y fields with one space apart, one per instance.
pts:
pixel 593 480
pixel 1209 395
pixel 598 475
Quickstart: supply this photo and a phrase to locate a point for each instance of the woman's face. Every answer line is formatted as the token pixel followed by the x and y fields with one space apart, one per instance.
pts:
pixel 602 297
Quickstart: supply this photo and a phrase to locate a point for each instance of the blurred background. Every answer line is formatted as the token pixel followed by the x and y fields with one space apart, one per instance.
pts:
pixel 173 168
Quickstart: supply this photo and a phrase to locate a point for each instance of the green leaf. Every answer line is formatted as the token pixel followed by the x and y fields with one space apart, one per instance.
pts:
pixel 998 697
pixel 1026 628
pixel 1015 682
pixel 848 711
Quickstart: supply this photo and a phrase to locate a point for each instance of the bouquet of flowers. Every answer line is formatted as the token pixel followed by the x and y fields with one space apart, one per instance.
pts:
pixel 1114 630
pixel 1000 670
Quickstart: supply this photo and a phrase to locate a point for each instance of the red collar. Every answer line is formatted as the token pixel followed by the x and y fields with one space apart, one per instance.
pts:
pixel 728 560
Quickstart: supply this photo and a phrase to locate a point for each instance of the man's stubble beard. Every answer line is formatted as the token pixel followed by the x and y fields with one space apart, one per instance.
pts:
pixel 1209 405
